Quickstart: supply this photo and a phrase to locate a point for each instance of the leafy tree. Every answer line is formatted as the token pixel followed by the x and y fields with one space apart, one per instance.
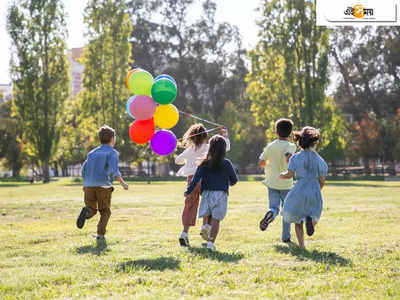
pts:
pixel 11 150
pixel 369 86
pixel 39 73
pixel 204 56
pixel 106 62
pixel 289 75
pixel 299 50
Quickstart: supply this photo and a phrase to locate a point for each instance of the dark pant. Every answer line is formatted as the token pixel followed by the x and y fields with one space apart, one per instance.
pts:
pixel 98 198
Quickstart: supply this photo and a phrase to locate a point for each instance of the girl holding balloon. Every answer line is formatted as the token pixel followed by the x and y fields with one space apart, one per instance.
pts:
pixel 195 141
pixel 216 174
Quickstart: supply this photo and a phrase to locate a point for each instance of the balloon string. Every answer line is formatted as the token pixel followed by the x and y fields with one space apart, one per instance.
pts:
pixel 200 119
pixel 209 130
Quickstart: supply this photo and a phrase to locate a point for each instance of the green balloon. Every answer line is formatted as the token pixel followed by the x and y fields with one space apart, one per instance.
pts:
pixel 140 83
pixel 164 91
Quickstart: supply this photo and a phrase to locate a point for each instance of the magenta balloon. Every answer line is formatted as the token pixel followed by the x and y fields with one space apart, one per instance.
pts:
pixel 163 142
pixel 142 107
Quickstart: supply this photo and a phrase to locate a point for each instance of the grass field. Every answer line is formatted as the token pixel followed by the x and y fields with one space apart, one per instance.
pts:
pixel 354 254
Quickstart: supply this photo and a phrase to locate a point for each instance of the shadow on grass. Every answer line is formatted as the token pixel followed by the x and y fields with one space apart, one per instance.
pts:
pixel 330 258
pixel 156 264
pixel 12 184
pixel 354 184
pixel 99 249
pixel 220 256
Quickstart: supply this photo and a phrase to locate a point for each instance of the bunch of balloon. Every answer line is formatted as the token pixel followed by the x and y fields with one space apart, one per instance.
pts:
pixel 151 106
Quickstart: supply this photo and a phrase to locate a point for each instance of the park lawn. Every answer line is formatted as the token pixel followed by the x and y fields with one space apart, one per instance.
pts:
pixel 354 254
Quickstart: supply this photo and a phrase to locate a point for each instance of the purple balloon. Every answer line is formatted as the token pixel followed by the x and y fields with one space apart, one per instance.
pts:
pixel 163 142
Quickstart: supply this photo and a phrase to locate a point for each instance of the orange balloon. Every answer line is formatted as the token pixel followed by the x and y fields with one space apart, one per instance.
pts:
pixel 141 131
pixel 129 75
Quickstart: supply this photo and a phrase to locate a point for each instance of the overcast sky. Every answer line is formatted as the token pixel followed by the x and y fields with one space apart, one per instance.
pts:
pixel 237 12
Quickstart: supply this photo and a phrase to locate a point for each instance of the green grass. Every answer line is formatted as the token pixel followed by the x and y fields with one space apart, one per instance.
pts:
pixel 354 254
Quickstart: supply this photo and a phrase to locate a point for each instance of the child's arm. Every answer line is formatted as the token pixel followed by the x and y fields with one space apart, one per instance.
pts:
pixel 262 163
pixel 181 158
pixel 115 171
pixel 196 178
pixel 262 159
pixel 83 169
pixel 224 133
pixel 287 175
pixel 233 179
pixel 322 182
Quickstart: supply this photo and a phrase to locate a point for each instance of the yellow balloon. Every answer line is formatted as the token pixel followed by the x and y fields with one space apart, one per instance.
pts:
pixel 166 116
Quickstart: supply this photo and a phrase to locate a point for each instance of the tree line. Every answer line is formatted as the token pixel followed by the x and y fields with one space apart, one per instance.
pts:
pixel 345 81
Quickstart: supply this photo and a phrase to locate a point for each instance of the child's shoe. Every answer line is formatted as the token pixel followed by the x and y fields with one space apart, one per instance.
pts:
pixel 211 247
pixel 309 226
pixel 205 231
pixel 184 239
pixel 268 218
pixel 82 218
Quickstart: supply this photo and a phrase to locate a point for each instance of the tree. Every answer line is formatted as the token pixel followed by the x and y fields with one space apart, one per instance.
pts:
pixel 106 62
pixel 289 75
pixel 299 51
pixel 369 86
pixel 205 57
pixel 39 71
pixel 11 150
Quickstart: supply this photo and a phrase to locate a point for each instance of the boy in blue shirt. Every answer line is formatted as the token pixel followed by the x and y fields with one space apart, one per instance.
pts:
pixel 98 170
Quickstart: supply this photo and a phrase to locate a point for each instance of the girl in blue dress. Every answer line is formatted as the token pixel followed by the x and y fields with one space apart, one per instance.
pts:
pixel 304 201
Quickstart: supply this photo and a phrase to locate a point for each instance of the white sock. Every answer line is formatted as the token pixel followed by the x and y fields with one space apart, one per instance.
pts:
pixel 184 234
pixel 209 243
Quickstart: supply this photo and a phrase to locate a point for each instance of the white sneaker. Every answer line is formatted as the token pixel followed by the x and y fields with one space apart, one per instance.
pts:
pixel 205 231
pixel 184 239
pixel 211 247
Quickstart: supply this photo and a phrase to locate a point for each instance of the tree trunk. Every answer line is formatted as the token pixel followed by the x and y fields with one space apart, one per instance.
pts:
pixel 56 169
pixel 367 170
pixel 46 171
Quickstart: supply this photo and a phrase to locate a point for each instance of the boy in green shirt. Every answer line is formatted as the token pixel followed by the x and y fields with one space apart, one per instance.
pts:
pixel 274 159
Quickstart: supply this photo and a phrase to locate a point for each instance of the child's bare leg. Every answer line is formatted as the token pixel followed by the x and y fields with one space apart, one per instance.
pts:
pixel 300 234
pixel 186 228
pixel 214 229
pixel 206 220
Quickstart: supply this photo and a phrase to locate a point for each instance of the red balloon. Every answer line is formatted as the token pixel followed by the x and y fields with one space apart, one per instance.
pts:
pixel 141 131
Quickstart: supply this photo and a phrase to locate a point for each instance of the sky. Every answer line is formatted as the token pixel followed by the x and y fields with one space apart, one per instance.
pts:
pixel 237 12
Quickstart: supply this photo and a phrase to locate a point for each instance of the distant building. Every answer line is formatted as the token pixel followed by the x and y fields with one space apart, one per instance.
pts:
pixel 76 70
pixel 7 92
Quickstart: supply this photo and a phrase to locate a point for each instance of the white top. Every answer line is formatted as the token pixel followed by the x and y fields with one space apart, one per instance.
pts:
pixel 192 157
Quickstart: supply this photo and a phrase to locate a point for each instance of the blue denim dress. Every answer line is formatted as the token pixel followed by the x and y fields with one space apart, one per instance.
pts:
pixel 305 198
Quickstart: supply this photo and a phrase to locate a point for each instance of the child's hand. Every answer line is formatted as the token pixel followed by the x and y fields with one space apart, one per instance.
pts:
pixel 282 176
pixel 185 194
pixel 224 132
pixel 125 185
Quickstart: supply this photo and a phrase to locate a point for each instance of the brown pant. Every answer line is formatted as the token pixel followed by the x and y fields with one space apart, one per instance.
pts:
pixel 98 197
pixel 189 213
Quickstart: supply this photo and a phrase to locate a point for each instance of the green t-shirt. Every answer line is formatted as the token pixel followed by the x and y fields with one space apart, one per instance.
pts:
pixel 275 156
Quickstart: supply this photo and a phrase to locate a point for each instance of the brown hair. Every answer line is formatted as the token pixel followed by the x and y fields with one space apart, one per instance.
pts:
pixel 106 133
pixel 195 136
pixel 216 153
pixel 307 137
pixel 284 127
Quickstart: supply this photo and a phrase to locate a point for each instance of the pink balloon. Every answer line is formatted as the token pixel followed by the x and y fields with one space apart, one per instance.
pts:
pixel 142 107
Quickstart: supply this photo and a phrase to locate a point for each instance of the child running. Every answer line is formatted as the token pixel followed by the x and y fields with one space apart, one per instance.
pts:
pixel 195 141
pixel 304 201
pixel 97 172
pixel 275 160
pixel 216 174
